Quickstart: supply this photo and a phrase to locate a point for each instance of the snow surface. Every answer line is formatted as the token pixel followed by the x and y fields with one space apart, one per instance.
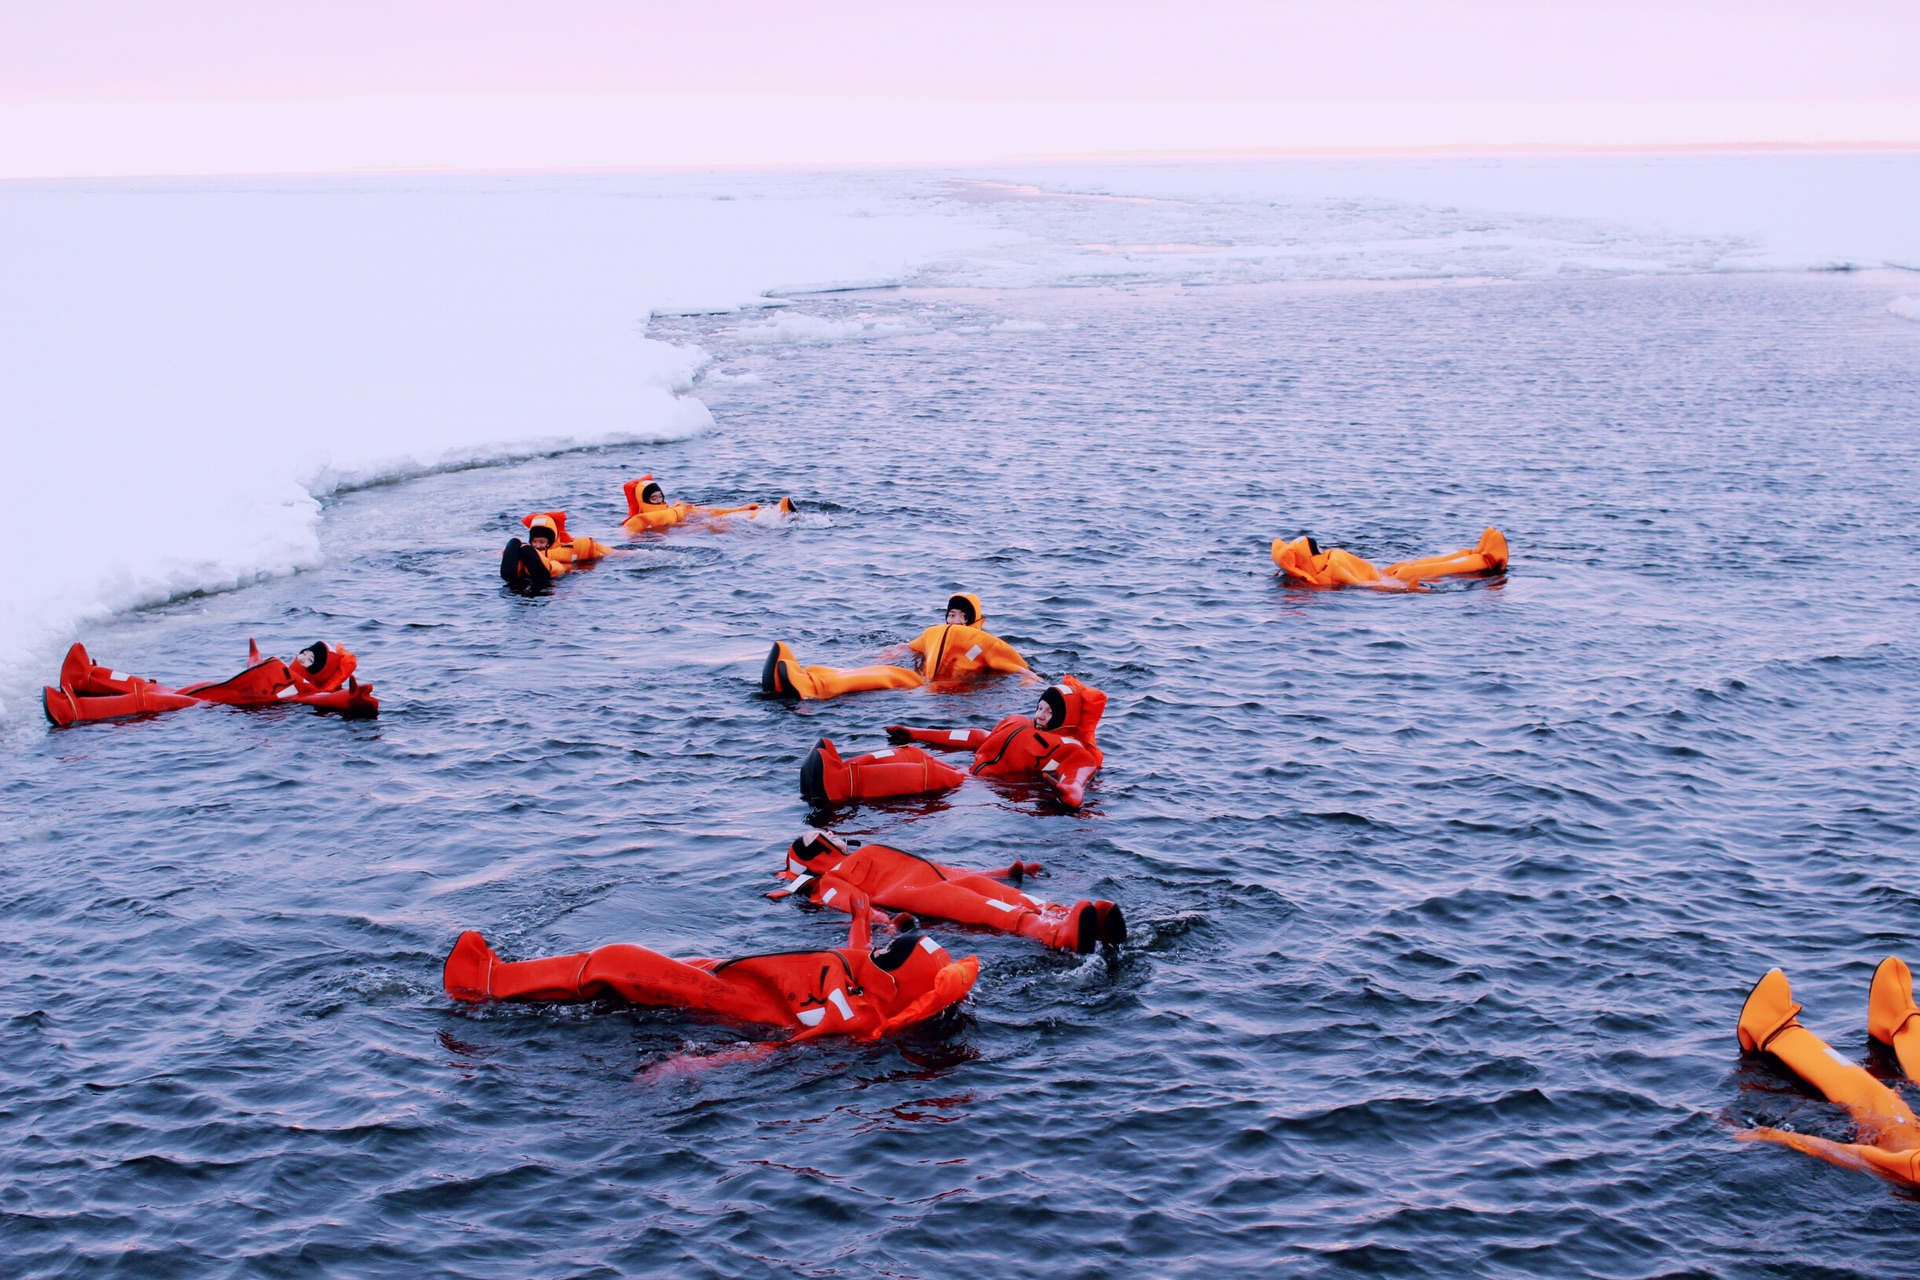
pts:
pixel 188 368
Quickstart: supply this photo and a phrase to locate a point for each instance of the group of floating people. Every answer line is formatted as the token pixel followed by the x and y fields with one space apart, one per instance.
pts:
pixel 863 989
pixel 890 975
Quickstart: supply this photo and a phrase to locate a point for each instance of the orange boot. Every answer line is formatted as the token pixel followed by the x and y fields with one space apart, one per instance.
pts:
pixel 1892 1017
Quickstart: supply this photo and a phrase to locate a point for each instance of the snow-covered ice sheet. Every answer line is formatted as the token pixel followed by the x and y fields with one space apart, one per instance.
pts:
pixel 188 367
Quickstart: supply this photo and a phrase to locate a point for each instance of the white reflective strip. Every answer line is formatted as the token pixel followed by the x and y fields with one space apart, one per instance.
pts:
pixel 929 946
pixel 998 905
pixel 118 675
pixel 957 735
pixel 1075 741
pixel 796 866
pixel 882 755
pixel 840 1003
pixel 287 692
pixel 1051 765
pixel 1035 901
pixel 830 894
pixel 973 654
pixel 811 1017
pixel 800 884
pixel 1835 1055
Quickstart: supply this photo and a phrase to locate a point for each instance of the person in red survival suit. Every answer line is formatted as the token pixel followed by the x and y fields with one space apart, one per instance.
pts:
pixel 955 649
pixel 320 668
pixel 1055 746
pixel 857 990
pixel 825 871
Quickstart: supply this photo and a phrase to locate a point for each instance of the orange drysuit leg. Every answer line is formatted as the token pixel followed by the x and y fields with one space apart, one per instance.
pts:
pixel 634 974
pixel 785 677
pixel 1489 555
pixel 1768 1023
pixel 898 771
pixel 1892 1017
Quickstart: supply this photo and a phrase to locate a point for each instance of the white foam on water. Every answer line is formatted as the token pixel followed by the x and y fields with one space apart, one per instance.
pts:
pixel 1907 308
pixel 798 328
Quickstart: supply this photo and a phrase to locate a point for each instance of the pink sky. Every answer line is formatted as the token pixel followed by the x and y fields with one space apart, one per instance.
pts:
pixel 110 86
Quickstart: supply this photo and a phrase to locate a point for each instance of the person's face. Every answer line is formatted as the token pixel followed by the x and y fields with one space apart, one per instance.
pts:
pixel 303 659
pixel 542 541
pixel 957 617
pixel 1043 715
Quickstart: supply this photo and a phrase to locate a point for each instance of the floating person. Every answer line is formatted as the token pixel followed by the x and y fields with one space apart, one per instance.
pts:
pixel 1055 746
pixel 326 681
pixel 648 508
pixel 955 649
pixel 824 871
pixel 1303 561
pixel 1888 1132
pixel 548 553
pixel 857 990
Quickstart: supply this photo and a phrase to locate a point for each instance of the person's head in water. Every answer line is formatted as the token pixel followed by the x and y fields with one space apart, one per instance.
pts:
pixel 652 494
pixel 313 657
pixel 960 612
pixel 1313 548
pixel 540 536
pixel 1052 711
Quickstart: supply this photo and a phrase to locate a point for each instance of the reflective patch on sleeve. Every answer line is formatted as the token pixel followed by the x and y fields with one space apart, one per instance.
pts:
pixel 831 894
pixel 1035 901
pixel 840 1003
pixel 287 692
pixel 1837 1057
pixel 118 675
pixel 955 735
pixel 800 884
pixel 929 946
pixel 973 654
pixel 883 755
pixel 810 1017
pixel 1050 766
pixel 998 905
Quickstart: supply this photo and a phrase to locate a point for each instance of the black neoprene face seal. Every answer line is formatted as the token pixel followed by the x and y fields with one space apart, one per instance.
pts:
pixel 897 952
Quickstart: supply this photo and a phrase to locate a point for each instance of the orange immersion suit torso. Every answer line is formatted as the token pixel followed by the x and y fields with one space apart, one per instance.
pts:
pixel 947 651
pixel 1064 757
pixel 566 551
pixel 1889 1132
pixel 1335 567
pixel 853 990
pixel 824 871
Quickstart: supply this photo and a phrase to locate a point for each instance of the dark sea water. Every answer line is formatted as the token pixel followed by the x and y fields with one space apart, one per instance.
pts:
pixel 1443 905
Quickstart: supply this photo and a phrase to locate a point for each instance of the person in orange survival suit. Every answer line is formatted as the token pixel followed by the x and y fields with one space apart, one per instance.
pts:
pixel 648 508
pixel 1303 561
pixel 856 990
pixel 954 649
pixel 1055 745
pixel 548 553
pixel 823 870
pixel 1888 1131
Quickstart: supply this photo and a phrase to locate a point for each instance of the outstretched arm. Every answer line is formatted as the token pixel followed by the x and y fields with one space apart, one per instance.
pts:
pixel 944 739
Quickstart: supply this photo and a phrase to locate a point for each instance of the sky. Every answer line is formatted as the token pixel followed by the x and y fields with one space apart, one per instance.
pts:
pixel 215 86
